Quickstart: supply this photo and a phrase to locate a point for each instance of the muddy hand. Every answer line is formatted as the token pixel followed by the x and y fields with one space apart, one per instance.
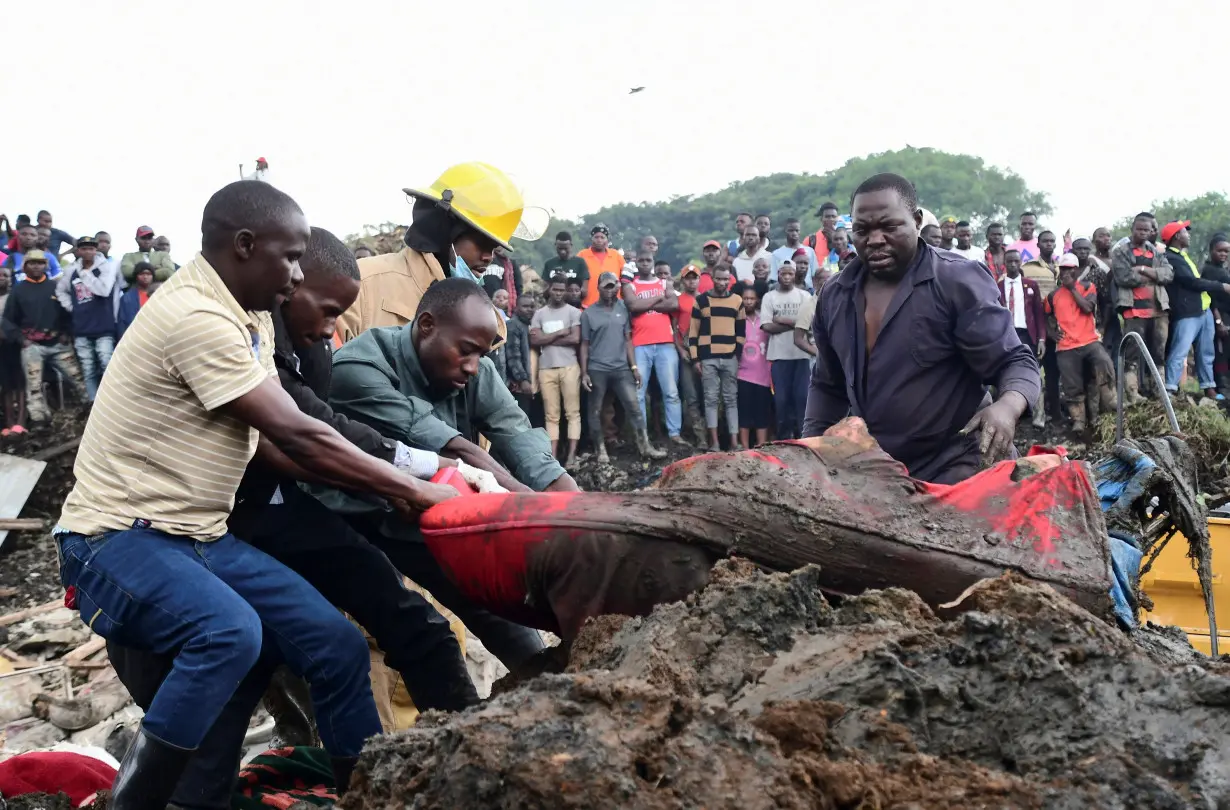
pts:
pixel 996 425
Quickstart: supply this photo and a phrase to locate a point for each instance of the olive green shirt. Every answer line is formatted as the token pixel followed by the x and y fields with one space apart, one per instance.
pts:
pixel 377 380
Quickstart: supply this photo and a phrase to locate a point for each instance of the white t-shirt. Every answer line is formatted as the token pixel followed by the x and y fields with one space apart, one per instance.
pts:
pixel 778 304
pixel 743 264
pixel 973 252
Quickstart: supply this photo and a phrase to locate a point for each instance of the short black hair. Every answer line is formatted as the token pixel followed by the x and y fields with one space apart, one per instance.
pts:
pixel 29 225
pixel 887 181
pixel 828 206
pixel 444 296
pixel 142 267
pixel 661 262
pixel 43 211
pixel 962 224
pixel 558 278
pixel 23 219
pixel 328 256
pixel 928 228
pixel 563 236
pixel 766 216
pixel 1217 239
pixel 569 282
pixel 1143 215
pixel 743 214
pixel 250 204
pixel 999 225
pixel 792 221
pixel 102 233
pixel 1028 214
pixel 1044 232
pixel 1012 250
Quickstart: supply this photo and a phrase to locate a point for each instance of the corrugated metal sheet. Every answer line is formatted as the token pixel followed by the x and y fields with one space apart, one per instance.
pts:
pixel 17 479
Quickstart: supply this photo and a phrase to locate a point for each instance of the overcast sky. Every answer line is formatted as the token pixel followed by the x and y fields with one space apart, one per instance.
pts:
pixel 133 113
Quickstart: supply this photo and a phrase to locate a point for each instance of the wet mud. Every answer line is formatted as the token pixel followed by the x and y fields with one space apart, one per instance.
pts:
pixel 757 692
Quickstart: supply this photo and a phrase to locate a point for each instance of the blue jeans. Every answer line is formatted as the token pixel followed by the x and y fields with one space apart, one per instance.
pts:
pixel 791 379
pixel 211 602
pixel 662 361
pixel 1198 330
pixel 89 349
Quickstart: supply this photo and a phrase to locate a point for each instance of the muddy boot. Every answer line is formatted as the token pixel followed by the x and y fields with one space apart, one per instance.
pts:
pixel 1131 388
pixel 148 775
pixel 646 449
pixel 342 768
pixel 603 458
pixel 1076 412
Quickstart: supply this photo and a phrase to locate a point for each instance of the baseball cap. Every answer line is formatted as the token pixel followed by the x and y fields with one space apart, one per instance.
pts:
pixel 786 263
pixel 712 243
pixel 1171 228
pixel 1069 260
pixel 799 252
pixel 689 270
pixel 607 278
pixel 87 241
pixel 600 228
pixel 261 160
pixel 144 230
pixel 945 220
pixel 36 256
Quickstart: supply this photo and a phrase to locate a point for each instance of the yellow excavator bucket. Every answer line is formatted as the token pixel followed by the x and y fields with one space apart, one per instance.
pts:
pixel 1175 590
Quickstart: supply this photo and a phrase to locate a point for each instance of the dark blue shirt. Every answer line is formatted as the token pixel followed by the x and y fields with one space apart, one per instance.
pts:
pixel 944 338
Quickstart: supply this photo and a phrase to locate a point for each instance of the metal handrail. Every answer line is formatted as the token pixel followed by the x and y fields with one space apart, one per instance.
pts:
pixel 1157 378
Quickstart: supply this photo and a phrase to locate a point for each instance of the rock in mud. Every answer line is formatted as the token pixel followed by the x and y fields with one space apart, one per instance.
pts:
pixel 757 693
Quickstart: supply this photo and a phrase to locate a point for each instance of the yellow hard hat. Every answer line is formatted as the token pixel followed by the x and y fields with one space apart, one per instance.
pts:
pixel 483 197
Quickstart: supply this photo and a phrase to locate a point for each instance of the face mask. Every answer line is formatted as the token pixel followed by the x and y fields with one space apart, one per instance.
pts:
pixel 462 270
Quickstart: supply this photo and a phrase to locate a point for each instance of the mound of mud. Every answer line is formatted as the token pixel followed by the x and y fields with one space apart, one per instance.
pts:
pixel 757 693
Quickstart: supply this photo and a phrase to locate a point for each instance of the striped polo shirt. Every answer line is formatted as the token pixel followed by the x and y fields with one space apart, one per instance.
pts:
pixel 155 447
pixel 717 326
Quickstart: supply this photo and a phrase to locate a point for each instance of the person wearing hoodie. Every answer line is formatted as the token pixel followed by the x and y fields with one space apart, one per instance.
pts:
pixel 84 289
pixel 134 297
pixel 34 319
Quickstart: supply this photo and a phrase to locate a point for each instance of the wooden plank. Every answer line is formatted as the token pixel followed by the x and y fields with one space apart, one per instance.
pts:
pixel 17 479
pixel 22 615
pixel 22 524
pixel 58 450
pixel 85 650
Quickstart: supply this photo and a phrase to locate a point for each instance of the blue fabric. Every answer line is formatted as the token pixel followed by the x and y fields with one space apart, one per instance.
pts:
pixel 791 379
pixel 17 259
pixel 462 270
pixel 661 360
pixel 129 306
pixel 210 604
pixel 93 315
pixel 1124 573
pixel 1120 482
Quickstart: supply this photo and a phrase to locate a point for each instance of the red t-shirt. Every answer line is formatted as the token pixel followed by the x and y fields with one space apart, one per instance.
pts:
pixel 1077 328
pixel 705 285
pixel 683 318
pixel 649 328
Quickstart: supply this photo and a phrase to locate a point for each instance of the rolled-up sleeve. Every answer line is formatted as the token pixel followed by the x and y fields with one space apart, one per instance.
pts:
pixel 524 450
pixel 827 401
pixel 987 339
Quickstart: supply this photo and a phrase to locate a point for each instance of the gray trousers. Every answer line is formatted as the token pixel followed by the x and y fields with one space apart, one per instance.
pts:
pixel 719 378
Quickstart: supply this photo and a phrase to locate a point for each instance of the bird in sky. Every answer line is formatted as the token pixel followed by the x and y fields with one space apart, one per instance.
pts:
pixel 635 90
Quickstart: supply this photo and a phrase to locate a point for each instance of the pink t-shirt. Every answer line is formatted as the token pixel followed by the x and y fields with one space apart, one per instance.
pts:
pixel 754 362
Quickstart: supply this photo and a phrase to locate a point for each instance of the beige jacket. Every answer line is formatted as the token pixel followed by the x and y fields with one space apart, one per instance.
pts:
pixel 390 288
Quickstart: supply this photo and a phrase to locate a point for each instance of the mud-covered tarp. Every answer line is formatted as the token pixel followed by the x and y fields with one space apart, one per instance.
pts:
pixel 551 560
pixel 758 693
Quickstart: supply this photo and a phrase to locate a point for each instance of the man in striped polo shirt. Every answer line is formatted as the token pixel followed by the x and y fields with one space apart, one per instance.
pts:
pixel 142 539
pixel 715 337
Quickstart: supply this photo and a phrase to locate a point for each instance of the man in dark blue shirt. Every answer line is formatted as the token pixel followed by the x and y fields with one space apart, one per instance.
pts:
pixel 907 337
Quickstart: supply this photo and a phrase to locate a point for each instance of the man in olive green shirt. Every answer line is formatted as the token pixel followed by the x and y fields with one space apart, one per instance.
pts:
pixel 428 385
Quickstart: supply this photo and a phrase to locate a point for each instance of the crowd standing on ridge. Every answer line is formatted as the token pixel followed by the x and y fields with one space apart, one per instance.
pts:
pixel 267 422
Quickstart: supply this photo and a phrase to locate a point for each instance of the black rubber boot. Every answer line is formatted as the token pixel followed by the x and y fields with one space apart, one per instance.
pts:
pixel 342 768
pixel 148 775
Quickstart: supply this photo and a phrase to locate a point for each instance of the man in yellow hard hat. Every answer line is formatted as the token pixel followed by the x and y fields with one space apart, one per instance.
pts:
pixel 458 222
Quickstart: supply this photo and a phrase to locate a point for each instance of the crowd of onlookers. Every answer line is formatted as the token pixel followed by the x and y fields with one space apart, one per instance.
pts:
pixel 64 302
pixel 716 353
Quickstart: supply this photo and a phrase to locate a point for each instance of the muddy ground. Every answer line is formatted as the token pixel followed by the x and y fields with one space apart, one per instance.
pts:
pixel 757 693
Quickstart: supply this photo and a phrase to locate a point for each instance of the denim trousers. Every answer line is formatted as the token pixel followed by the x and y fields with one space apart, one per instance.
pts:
pixel 791 379
pixel 661 361
pixel 1199 331
pixel 623 385
pixel 36 357
pixel 94 355
pixel 211 604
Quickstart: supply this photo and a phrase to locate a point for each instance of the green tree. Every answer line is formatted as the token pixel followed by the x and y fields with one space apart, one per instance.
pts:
pixel 948 184
pixel 1209 213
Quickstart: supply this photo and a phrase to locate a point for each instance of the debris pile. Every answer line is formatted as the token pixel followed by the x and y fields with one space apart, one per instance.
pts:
pixel 759 693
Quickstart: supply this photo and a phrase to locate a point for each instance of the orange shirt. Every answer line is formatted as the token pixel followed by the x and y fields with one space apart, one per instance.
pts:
pixel 1076 328
pixel 606 262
